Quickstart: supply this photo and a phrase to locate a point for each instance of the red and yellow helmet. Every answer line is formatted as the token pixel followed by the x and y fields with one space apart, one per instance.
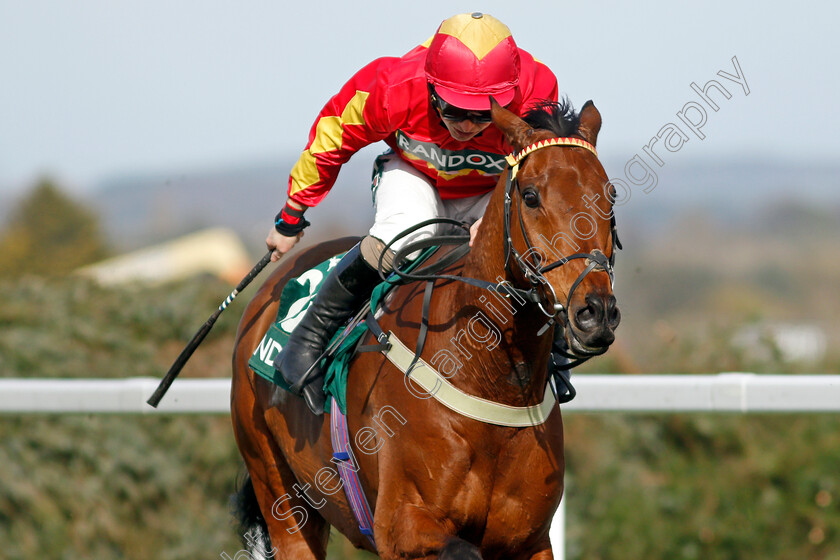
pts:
pixel 470 58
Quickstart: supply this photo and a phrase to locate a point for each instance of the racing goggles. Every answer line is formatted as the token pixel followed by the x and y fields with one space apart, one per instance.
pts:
pixel 456 114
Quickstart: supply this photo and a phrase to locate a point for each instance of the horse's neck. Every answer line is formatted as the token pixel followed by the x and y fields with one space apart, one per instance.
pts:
pixel 503 358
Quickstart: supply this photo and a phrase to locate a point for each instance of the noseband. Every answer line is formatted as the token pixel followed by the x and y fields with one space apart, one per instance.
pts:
pixel 541 291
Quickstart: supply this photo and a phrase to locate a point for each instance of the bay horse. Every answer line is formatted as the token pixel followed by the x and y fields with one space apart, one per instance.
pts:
pixel 441 484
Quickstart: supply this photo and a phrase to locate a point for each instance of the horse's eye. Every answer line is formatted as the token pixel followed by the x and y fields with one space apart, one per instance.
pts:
pixel 531 197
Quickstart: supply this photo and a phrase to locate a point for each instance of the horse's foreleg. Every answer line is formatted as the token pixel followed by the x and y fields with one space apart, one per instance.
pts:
pixel 546 554
pixel 412 532
pixel 457 549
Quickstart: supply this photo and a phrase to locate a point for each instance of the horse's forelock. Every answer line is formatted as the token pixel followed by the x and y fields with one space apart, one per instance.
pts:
pixel 558 117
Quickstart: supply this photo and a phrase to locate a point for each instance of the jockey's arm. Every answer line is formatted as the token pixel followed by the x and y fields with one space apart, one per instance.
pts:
pixel 352 119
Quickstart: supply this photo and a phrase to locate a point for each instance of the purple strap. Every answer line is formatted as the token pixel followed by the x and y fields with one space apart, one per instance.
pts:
pixel 344 459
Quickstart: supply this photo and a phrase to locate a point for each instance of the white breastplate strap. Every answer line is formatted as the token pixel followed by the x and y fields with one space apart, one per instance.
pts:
pixel 468 405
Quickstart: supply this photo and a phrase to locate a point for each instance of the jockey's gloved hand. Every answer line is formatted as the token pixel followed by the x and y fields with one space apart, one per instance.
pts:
pixel 290 221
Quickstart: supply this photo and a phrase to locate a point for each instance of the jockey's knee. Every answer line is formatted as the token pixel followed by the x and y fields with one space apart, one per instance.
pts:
pixel 372 249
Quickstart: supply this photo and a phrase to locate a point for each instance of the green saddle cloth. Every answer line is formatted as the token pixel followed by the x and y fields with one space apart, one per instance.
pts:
pixel 295 299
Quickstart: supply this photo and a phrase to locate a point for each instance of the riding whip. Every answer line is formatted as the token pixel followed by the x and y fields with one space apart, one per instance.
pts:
pixel 176 368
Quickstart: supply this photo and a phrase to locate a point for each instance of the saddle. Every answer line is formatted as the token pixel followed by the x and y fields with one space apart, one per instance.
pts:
pixel 295 299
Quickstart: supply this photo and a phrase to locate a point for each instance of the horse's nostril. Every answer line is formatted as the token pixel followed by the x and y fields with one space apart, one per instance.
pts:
pixel 586 317
pixel 613 313
pixel 614 318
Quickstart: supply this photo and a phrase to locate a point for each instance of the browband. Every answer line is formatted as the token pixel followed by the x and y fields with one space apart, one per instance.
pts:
pixel 515 158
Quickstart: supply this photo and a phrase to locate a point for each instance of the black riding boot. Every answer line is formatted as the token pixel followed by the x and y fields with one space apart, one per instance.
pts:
pixel 339 297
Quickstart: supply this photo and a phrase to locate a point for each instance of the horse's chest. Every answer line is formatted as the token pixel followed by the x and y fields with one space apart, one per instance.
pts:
pixel 500 490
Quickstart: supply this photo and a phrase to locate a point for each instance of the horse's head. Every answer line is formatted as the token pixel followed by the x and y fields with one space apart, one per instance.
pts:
pixel 559 229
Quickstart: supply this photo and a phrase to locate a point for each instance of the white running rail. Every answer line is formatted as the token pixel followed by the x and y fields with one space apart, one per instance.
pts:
pixel 724 392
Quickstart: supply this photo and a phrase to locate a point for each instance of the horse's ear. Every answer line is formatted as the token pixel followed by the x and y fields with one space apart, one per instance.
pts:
pixel 517 131
pixel 590 122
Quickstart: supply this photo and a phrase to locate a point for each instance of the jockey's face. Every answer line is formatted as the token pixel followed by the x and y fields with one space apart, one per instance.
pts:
pixel 462 124
pixel 464 130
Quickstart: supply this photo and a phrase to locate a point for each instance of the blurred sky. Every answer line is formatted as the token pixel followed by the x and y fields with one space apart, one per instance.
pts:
pixel 95 89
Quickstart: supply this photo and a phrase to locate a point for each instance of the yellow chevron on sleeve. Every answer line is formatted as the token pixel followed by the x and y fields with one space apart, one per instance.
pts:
pixel 327 135
pixel 352 113
pixel 304 174
pixel 329 130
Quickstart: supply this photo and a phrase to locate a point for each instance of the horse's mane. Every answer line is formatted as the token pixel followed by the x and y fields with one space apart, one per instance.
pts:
pixel 557 116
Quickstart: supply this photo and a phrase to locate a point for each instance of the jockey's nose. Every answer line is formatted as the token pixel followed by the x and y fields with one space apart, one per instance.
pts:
pixel 597 320
pixel 470 127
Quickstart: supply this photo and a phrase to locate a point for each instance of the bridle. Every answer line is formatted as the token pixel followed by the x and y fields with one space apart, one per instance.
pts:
pixel 535 274
pixel 540 291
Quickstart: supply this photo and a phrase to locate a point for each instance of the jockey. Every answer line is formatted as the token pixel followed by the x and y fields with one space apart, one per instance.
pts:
pixel 432 107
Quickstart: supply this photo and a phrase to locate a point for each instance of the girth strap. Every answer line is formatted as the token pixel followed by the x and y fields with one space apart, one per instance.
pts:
pixel 343 456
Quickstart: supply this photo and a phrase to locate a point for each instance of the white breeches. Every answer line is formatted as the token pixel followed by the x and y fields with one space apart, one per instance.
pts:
pixel 403 197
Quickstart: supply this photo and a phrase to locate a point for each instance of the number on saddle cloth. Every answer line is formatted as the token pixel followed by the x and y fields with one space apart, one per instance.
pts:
pixel 295 299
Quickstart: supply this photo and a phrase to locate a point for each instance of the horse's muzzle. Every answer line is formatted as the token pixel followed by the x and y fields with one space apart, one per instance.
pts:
pixel 594 323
